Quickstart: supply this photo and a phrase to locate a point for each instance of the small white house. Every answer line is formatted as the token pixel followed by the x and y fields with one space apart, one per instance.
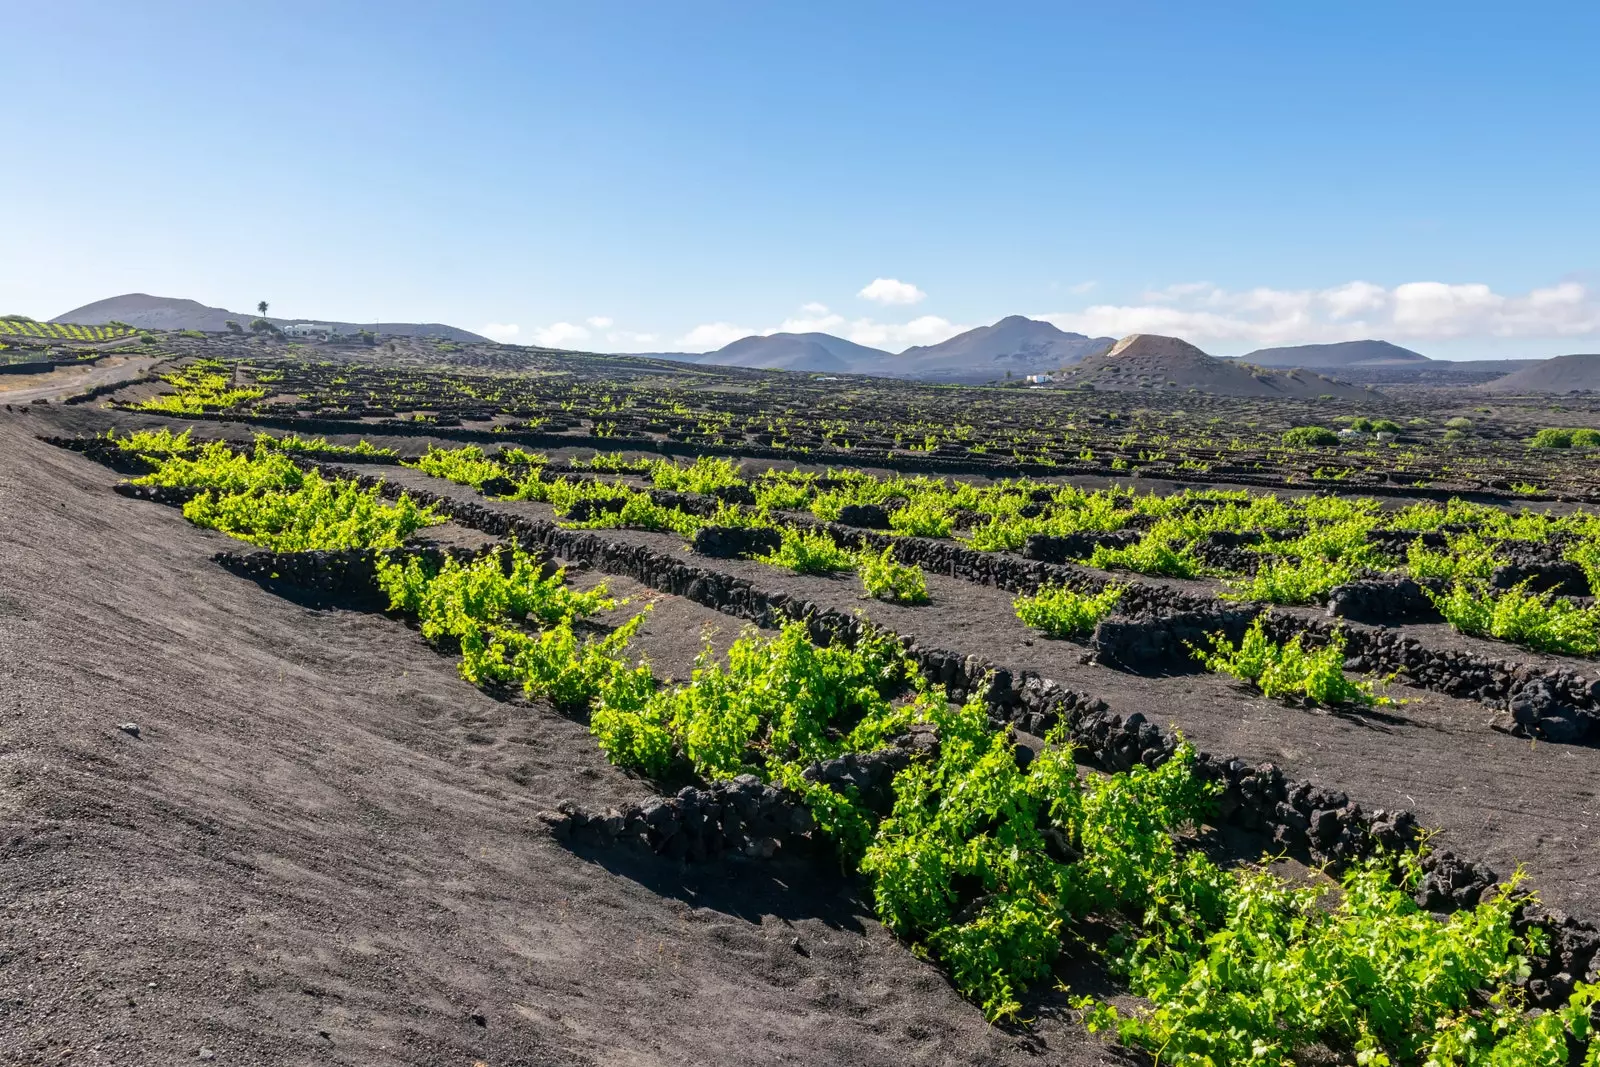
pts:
pixel 313 329
pixel 1040 379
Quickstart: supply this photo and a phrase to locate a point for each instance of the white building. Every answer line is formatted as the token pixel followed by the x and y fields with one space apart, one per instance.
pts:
pixel 311 329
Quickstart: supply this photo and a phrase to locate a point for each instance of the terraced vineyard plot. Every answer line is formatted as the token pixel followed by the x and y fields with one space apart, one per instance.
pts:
pixel 1188 438
pixel 965 695
pixel 11 326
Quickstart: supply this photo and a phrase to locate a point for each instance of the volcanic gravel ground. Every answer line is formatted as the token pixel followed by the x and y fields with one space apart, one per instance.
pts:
pixel 321 847
pixel 1495 798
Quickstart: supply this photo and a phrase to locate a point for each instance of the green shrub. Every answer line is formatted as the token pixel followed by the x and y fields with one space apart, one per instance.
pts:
pixel 1283 581
pixel 1560 437
pixel 888 579
pixel 922 518
pixel 1310 437
pixel 1063 612
pixel 779 704
pixel 1287 669
pixel 809 552
pixel 293 442
pixel 319 515
pixel 1539 621
pixel 466 465
pixel 1153 554
pixel 154 443
pixel 702 476
pixel 1460 422
pixel 1464 556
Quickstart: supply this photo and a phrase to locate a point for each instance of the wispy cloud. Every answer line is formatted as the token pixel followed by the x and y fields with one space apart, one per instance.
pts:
pixel 560 335
pixel 1201 312
pixel 710 335
pixel 817 318
pixel 504 332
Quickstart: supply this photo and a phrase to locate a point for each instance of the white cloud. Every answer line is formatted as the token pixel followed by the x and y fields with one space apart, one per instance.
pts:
pixel 504 332
pixel 710 335
pixel 926 330
pixel 1082 287
pixel 892 291
pixel 819 321
pixel 559 335
pixel 1419 311
pixel 599 322
pixel 1354 298
pixel 816 318
pixel 631 340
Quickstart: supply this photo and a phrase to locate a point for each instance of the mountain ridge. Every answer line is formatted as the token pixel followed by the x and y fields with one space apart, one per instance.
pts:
pixel 178 313
pixel 1370 352
pixel 1579 371
pixel 1015 343
pixel 1153 361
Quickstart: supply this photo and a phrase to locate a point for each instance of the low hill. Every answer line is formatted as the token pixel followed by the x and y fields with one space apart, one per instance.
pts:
pixel 1341 354
pixel 1015 343
pixel 1148 361
pixel 170 313
pixel 797 351
pixel 1563 374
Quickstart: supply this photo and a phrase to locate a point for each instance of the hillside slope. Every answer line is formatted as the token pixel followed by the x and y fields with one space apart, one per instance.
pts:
pixel 1015 343
pixel 1340 354
pixel 323 845
pixel 1150 361
pixel 1563 374
pixel 171 313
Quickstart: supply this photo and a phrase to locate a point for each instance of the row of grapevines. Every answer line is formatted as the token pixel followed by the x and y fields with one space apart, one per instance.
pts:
pixel 204 385
pixel 515 627
pixel 1288 669
pixel 1538 620
pixel 264 498
pixel 1311 545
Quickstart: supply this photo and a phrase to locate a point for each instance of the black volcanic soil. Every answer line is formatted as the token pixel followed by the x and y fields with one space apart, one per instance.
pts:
pixel 322 845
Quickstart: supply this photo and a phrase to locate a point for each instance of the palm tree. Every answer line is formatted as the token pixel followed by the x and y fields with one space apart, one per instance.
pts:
pixel 262 307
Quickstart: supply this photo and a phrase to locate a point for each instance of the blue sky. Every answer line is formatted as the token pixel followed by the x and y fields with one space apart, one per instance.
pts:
pixel 637 176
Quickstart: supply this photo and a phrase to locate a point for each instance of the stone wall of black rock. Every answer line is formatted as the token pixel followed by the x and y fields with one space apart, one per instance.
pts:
pixel 105 453
pixel 346 576
pixel 756 820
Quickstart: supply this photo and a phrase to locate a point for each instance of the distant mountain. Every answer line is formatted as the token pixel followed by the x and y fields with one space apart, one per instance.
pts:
pixel 1145 361
pixel 1342 354
pixel 1563 374
pixel 1015 343
pixel 169 313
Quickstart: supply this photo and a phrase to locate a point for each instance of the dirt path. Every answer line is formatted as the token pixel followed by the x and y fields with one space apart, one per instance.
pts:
pixel 322 846
pixel 56 384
